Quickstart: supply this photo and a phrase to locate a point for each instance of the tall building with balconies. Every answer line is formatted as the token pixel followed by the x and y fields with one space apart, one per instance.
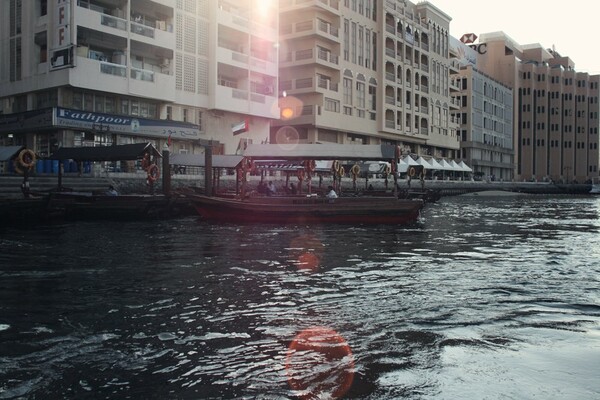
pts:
pixel 485 116
pixel 556 109
pixel 364 71
pixel 99 72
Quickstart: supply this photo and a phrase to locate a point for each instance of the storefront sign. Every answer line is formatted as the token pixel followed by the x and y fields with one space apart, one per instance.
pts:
pixel 86 120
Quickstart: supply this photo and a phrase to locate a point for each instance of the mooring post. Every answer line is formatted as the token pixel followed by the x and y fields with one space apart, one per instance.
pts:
pixel 166 167
pixel 208 172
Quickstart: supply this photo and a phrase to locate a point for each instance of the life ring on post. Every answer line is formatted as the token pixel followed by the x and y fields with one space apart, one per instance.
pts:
pixel 153 173
pixel 355 170
pixel 26 158
pixel 335 166
pixel 145 161
pixel 310 165
pixel 388 169
pixel 411 171
pixel 394 166
pixel 422 175
pixel 341 171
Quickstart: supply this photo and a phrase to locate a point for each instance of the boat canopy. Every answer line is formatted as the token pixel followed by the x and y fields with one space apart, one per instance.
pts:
pixel 8 152
pixel 106 153
pixel 198 160
pixel 329 151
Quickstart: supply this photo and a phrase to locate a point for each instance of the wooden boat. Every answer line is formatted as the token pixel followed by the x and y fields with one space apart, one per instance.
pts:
pixel 89 206
pixel 309 210
pixel 247 207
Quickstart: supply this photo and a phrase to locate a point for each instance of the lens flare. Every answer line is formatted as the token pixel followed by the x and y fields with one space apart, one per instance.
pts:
pixel 307 251
pixel 319 364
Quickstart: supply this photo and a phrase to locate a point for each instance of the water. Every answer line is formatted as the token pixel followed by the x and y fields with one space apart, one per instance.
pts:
pixel 485 298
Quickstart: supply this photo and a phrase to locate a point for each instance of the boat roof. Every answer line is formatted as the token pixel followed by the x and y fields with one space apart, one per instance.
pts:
pixel 198 160
pixel 105 153
pixel 329 151
pixel 8 152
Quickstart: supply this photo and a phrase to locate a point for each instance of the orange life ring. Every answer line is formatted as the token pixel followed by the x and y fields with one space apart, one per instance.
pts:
pixel 341 171
pixel 388 169
pixel 300 174
pixel 422 173
pixel 310 165
pixel 26 158
pixel 411 171
pixel 355 170
pixel 153 173
pixel 18 168
pixel 146 161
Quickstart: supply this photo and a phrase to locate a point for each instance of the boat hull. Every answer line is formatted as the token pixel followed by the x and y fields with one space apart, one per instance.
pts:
pixel 308 210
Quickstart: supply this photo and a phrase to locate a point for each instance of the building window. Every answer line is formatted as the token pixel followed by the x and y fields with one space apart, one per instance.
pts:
pixel 347 91
pixel 200 121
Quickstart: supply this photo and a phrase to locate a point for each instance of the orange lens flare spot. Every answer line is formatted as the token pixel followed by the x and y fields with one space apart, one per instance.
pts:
pixel 309 262
pixel 319 364
pixel 287 113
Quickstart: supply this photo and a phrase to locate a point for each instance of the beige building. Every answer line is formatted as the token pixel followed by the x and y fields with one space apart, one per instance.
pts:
pixel 365 71
pixel 556 109
pixel 101 72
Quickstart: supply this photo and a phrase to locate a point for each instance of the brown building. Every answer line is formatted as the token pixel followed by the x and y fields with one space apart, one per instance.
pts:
pixel 555 109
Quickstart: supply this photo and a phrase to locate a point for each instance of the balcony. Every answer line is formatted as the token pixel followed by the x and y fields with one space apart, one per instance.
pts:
pixel 108 76
pixel 319 28
pixel 331 6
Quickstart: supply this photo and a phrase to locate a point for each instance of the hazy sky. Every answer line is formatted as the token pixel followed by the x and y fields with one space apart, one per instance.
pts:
pixel 573 26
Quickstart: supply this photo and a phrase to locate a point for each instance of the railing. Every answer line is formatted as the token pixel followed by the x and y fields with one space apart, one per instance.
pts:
pixel 113 69
pixel 390 100
pixel 390 124
pixel 113 22
pixel 142 75
pixel 390 76
pixel 304 54
pixel 304 83
pixel 142 30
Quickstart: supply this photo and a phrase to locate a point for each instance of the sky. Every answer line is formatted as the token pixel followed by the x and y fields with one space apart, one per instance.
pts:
pixel 572 27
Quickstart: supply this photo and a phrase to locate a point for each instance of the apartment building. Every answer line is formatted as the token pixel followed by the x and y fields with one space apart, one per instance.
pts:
pixel 485 117
pixel 556 109
pixel 367 72
pixel 101 72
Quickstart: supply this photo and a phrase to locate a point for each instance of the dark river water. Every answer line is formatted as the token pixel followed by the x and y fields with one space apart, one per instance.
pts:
pixel 484 298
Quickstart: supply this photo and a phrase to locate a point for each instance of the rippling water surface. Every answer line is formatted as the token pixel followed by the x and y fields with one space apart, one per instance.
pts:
pixel 495 298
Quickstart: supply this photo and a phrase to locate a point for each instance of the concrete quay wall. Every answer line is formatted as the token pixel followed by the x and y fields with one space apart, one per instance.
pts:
pixel 129 183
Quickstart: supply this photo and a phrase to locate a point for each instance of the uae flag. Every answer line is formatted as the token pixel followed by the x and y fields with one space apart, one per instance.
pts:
pixel 240 127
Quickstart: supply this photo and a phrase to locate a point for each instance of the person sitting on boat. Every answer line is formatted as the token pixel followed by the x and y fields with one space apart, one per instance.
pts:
pixel 262 187
pixel 293 188
pixel 271 190
pixel 332 194
pixel 112 191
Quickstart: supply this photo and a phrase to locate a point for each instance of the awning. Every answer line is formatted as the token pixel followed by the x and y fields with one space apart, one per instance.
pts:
pixel 328 151
pixel 106 153
pixel 198 160
pixel 409 160
pixel 9 152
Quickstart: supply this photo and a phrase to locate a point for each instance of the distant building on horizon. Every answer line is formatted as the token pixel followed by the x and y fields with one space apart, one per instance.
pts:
pixel 556 117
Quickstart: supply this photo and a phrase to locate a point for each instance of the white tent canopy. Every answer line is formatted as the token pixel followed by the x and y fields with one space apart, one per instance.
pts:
pixel 436 165
pixel 465 167
pixel 426 164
